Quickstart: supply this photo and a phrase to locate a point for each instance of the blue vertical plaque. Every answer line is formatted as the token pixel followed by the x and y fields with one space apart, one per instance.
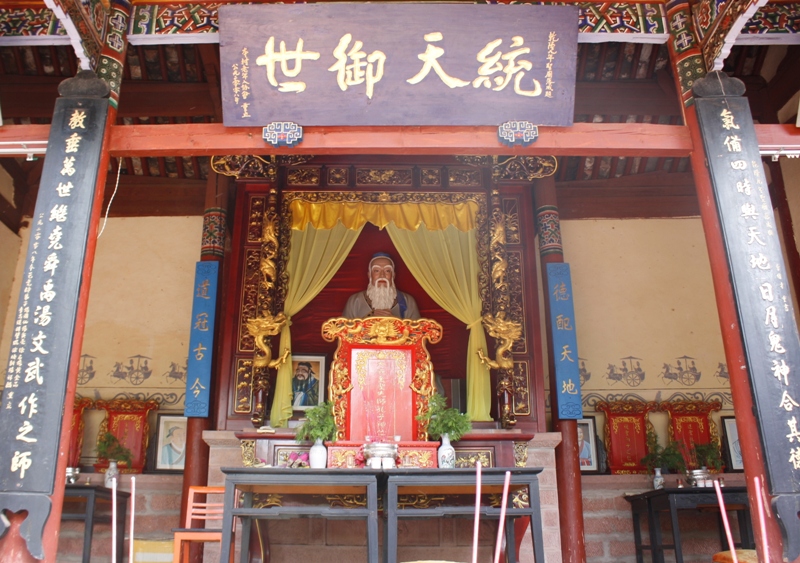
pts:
pixel 201 340
pixel 565 342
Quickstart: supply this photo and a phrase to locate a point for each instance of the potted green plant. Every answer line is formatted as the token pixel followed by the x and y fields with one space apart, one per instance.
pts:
pixel 110 448
pixel 318 426
pixel 667 458
pixel 446 423
pixel 707 455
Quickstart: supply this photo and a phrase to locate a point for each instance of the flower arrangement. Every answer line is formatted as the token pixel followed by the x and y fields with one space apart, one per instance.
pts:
pixel 297 460
pixel 110 448
pixel 443 420
pixel 319 424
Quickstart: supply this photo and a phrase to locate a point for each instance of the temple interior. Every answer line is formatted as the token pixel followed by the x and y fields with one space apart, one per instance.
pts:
pixel 622 205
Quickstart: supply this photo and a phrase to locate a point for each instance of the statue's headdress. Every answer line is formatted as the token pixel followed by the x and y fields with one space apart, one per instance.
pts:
pixel 375 257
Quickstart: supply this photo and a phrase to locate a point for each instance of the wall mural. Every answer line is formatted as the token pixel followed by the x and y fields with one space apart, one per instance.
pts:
pixel 684 372
pixel 627 373
pixel 631 371
pixel 135 377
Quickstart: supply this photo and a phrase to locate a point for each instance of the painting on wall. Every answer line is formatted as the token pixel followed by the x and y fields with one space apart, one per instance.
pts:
pixel 170 443
pixel 308 381
pixel 731 447
pixel 587 445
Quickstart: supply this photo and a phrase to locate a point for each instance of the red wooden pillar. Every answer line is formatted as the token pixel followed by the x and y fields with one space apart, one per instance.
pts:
pixel 568 470
pixel 213 249
pixel 752 453
pixel 687 64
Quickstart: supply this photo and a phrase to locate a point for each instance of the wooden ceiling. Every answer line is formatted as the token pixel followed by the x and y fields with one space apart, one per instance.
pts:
pixel 162 84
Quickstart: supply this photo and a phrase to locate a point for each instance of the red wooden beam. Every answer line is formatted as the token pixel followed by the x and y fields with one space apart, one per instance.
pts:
pixel 774 137
pixel 23 134
pixel 596 139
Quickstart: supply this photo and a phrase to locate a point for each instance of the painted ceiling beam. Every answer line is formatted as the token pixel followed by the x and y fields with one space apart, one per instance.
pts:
pixel 31 23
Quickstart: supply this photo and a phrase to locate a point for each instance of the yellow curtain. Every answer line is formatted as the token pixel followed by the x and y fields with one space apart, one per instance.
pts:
pixel 436 216
pixel 445 263
pixel 314 258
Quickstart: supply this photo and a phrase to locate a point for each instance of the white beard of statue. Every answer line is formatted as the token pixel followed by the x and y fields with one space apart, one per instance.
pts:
pixel 381 297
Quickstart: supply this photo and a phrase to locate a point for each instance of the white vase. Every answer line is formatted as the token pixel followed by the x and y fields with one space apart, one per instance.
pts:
pixel 446 454
pixel 318 455
pixel 111 473
pixel 658 479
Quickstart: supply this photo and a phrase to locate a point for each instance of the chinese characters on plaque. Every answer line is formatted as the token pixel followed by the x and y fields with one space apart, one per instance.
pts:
pixel 565 341
pixel 41 346
pixel 384 64
pixel 759 277
pixel 201 340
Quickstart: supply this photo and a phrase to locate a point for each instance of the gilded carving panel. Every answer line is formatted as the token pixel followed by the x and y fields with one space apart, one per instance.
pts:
pixel 245 166
pixel 520 454
pixel 303 176
pixel 524 168
pixel 338 176
pixel 384 177
pixel 521 401
pixel 468 457
pixel 248 308
pixel 243 387
pixel 511 212
pixel 255 219
pixel 465 177
pixel 248 452
pixel 431 177
pixel 516 299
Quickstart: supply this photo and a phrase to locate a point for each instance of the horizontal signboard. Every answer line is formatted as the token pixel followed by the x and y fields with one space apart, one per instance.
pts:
pixel 391 64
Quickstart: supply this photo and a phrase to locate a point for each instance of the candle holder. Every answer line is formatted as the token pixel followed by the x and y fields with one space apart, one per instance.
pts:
pixel 380 454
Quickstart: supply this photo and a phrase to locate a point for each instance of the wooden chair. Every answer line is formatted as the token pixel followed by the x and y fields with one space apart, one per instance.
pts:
pixel 199 510
pixel 742 555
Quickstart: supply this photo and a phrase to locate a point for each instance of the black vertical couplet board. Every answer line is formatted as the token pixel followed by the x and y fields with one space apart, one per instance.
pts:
pixel 760 280
pixel 32 408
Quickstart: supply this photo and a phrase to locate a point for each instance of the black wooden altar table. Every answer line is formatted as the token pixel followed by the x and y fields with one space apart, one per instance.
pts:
pixel 248 481
pixel 90 497
pixel 327 484
pixel 402 482
pixel 652 503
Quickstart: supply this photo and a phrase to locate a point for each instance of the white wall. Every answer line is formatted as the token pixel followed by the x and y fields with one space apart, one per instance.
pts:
pixel 10 245
pixel 643 289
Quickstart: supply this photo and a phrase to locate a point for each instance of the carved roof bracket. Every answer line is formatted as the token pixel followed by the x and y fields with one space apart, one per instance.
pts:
pixel 251 166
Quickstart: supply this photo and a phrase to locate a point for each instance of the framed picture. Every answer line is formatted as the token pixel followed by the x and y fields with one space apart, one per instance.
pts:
pixel 587 445
pixel 308 381
pixel 730 444
pixel 170 451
